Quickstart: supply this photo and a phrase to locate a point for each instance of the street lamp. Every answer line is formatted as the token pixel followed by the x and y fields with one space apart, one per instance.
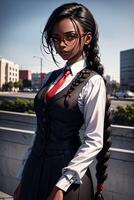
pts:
pixel 41 60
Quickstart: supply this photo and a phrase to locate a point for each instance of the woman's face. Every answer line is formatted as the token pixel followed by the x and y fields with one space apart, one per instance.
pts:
pixel 69 40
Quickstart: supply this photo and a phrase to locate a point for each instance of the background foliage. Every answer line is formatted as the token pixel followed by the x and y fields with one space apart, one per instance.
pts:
pixel 123 115
pixel 17 105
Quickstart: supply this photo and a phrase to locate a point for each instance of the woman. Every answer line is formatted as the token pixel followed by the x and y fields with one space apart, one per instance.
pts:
pixel 71 98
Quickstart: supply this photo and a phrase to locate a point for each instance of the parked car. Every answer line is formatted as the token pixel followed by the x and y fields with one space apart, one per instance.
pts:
pixel 124 94
pixel 120 94
pixel 27 90
pixel 129 94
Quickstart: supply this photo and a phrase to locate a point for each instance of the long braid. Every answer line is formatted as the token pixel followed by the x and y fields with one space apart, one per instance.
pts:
pixel 92 53
pixel 82 75
pixel 104 154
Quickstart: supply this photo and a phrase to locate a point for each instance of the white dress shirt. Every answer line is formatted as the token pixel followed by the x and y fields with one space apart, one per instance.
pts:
pixel 91 102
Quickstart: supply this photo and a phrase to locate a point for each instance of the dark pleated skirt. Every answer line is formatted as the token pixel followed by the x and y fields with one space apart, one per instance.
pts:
pixel 41 173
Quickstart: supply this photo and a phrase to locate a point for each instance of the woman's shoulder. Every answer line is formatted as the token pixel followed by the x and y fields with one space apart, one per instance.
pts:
pixel 49 74
pixel 95 78
pixel 95 81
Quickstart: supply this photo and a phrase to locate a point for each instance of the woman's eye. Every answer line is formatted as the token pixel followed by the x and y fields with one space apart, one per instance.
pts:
pixel 70 37
pixel 54 39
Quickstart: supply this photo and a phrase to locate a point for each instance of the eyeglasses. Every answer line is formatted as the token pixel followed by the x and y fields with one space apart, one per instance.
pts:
pixel 68 38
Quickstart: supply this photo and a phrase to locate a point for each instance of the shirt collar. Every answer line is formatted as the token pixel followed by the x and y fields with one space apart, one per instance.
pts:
pixel 77 67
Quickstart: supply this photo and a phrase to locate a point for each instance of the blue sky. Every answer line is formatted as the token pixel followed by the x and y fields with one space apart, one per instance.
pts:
pixel 21 23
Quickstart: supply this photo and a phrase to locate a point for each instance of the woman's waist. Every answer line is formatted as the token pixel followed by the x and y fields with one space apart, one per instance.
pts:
pixel 55 146
pixel 62 145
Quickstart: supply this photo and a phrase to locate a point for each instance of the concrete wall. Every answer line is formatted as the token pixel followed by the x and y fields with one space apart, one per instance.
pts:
pixel 16 120
pixel 14 142
pixel 120 182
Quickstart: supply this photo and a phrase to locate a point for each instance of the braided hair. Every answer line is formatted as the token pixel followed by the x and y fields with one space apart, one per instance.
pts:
pixel 78 12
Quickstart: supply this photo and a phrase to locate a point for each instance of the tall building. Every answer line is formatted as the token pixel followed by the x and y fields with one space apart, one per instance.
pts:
pixel 127 69
pixel 9 71
pixel 37 80
pixel 25 75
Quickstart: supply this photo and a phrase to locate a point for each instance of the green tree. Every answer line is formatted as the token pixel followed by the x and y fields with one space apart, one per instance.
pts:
pixel 10 85
pixel 16 84
pixel 20 84
pixel 5 87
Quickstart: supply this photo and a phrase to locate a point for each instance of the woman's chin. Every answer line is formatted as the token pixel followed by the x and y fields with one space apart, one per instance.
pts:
pixel 64 57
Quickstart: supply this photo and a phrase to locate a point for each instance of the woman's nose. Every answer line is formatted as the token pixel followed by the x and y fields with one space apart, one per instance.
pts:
pixel 62 43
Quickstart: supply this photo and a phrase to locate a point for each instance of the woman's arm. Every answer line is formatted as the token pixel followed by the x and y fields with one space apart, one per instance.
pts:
pixel 92 104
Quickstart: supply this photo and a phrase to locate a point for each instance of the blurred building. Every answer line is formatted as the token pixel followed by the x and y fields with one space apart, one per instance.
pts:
pixel 127 69
pixel 25 75
pixel 9 71
pixel 111 85
pixel 37 80
pixel 108 78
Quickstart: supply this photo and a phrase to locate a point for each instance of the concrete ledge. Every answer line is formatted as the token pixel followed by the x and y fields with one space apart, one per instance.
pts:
pixel 123 137
pixel 18 120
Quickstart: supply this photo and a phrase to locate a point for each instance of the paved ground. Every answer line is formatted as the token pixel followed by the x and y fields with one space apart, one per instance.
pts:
pixel 4 196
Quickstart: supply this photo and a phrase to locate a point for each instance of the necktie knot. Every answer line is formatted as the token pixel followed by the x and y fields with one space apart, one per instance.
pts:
pixel 58 84
pixel 67 72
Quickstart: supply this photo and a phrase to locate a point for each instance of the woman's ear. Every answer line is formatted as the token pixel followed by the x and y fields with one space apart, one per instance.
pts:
pixel 88 38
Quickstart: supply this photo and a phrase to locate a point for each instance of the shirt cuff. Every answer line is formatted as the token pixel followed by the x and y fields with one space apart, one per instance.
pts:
pixel 65 181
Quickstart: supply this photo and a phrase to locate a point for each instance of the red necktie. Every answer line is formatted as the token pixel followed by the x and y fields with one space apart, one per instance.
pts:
pixel 59 83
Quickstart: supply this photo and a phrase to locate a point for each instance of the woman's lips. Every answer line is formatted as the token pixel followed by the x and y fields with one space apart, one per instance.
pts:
pixel 63 52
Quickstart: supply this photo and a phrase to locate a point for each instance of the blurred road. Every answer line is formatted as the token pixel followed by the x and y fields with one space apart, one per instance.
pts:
pixel 28 95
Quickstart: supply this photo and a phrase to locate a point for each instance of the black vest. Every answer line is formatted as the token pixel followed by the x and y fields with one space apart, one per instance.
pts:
pixel 57 125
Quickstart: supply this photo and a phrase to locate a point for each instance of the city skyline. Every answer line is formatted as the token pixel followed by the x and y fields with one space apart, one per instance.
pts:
pixel 22 22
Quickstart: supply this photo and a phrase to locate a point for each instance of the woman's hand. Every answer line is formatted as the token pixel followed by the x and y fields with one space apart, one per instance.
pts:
pixel 17 192
pixel 56 194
